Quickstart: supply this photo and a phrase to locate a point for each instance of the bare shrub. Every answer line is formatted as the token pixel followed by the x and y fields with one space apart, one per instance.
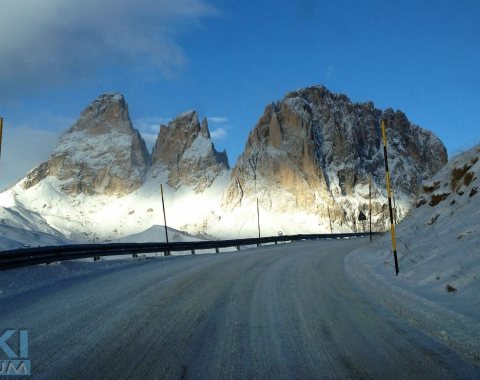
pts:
pixel 430 188
pixel 450 289
pixel 457 175
pixel 468 178
pixel 437 198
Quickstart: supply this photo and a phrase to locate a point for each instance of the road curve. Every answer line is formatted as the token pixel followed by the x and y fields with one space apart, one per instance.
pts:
pixel 277 312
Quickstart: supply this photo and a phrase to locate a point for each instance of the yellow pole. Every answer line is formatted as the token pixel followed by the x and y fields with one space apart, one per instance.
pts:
pixel 389 194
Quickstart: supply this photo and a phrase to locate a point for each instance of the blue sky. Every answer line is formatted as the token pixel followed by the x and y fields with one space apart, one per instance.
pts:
pixel 228 60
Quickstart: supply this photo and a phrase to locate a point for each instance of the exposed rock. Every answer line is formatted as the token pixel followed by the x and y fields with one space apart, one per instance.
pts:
pixel 100 154
pixel 185 149
pixel 315 151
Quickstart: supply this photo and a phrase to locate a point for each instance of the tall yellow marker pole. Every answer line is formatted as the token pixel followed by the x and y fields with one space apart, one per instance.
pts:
pixel 389 193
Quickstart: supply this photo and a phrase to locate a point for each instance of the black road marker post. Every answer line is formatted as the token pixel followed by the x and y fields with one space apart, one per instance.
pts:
pixel 166 253
pixel 1 133
pixel 253 163
pixel 258 219
pixel 370 205
pixel 389 194
pixel 330 219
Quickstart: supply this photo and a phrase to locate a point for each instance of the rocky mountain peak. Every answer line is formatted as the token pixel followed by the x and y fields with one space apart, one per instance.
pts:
pixel 316 150
pixel 104 113
pixel 100 154
pixel 185 149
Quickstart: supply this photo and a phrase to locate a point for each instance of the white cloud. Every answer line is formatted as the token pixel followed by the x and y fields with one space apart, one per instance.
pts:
pixel 218 133
pixel 150 123
pixel 22 149
pixel 217 119
pixel 57 41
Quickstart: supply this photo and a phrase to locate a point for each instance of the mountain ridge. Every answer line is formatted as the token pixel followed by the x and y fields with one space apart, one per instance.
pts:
pixel 315 150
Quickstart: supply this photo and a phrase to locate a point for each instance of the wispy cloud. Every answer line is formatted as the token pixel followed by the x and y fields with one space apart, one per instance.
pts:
pixel 150 123
pixel 218 133
pixel 217 119
pixel 55 41
pixel 329 71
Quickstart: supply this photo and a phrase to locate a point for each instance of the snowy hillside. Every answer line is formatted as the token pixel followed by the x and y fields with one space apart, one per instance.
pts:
pixel 14 237
pixel 157 234
pixel 439 254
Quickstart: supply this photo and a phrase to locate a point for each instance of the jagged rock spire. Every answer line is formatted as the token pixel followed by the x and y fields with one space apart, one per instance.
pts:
pixel 184 148
pixel 100 154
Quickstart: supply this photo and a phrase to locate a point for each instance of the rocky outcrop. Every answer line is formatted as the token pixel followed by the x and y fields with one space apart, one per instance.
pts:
pixel 184 148
pixel 100 154
pixel 314 151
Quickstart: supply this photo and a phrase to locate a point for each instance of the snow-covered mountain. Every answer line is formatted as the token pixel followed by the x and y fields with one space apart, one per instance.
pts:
pixel 315 151
pixel 100 154
pixel 101 183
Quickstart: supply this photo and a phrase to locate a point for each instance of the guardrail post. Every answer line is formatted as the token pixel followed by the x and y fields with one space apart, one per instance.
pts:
pixel 193 251
pixel 96 258
pixel 134 254
pixel 217 250
pixel 238 248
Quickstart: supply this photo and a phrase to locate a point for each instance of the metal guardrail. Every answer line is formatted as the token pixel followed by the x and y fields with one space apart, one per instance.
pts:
pixel 44 255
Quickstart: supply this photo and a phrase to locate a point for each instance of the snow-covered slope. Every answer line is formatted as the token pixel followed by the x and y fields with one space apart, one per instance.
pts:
pixel 102 217
pixel 20 226
pixel 439 242
pixel 439 257
pixel 14 237
pixel 157 234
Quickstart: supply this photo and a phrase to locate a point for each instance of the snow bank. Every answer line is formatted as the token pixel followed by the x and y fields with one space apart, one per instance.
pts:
pixel 439 258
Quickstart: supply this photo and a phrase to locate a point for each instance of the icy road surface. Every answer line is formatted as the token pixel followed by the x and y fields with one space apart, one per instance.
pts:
pixel 278 312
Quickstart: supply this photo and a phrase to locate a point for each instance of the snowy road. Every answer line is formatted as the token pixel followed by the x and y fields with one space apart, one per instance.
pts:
pixel 286 311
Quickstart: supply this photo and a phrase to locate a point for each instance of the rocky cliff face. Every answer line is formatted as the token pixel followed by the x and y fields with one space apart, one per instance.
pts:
pixel 100 154
pixel 314 151
pixel 185 149
pixel 103 154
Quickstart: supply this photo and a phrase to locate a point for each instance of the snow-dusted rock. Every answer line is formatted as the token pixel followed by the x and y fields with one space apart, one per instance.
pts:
pixel 184 148
pixel 100 154
pixel 315 151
